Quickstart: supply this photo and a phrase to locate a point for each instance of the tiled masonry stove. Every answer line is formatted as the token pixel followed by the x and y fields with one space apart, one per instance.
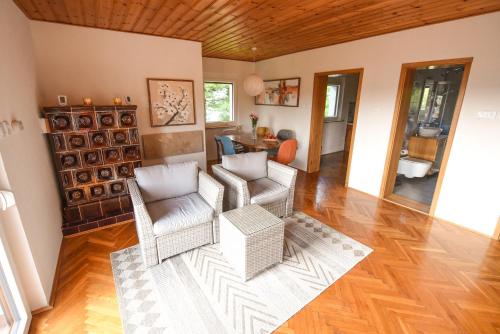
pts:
pixel 95 149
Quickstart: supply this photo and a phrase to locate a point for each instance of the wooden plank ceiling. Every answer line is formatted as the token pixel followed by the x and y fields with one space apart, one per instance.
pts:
pixel 230 28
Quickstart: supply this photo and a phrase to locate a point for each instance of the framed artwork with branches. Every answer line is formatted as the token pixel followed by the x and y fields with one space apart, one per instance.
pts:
pixel 171 102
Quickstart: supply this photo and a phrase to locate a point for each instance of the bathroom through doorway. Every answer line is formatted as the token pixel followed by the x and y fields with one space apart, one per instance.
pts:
pixel 428 103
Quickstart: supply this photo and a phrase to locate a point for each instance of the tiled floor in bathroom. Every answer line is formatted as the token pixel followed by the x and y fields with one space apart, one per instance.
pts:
pixel 420 189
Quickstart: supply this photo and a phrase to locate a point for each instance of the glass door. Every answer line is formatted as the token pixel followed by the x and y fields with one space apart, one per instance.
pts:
pixel 8 314
pixel 6 317
pixel 13 312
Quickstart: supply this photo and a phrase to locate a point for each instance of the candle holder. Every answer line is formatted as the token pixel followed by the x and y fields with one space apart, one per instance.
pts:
pixel 87 101
pixel 117 101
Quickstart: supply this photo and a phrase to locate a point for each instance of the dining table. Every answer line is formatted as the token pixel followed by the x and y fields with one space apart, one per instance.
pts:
pixel 254 144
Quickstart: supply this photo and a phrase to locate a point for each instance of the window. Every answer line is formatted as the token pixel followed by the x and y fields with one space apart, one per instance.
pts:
pixel 219 102
pixel 425 98
pixel 6 316
pixel 13 316
pixel 332 103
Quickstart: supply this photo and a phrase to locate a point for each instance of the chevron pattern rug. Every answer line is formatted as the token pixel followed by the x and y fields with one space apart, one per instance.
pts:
pixel 199 292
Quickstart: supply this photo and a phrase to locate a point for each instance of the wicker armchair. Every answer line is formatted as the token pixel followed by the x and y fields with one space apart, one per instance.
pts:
pixel 177 235
pixel 274 193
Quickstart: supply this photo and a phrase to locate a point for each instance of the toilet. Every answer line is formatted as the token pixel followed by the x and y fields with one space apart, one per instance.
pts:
pixel 413 167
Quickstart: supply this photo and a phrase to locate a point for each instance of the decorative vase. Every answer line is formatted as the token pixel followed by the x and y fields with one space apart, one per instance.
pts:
pixel 254 118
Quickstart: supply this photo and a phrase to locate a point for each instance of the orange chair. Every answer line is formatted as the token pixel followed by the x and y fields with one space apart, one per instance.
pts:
pixel 287 151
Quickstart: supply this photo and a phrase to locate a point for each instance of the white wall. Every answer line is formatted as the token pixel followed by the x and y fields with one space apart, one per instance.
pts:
pixel 102 64
pixel 471 187
pixel 231 71
pixel 334 132
pixel 333 137
pixel 32 227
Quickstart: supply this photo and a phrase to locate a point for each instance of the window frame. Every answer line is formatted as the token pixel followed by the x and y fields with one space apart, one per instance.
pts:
pixel 11 293
pixel 220 124
pixel 338 117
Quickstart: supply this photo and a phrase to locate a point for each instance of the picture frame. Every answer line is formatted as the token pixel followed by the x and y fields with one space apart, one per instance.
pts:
pixel 171 102
pixel 280 92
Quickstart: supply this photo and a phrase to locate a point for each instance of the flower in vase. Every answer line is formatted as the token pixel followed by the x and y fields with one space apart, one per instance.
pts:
pixel 254 118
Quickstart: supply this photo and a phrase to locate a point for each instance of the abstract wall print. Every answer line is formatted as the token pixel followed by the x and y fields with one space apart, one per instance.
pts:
pixel 171 102
pixel 280 92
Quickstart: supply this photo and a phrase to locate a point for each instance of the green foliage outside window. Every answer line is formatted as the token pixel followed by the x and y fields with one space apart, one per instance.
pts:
pixel 218 102
pixel 331 104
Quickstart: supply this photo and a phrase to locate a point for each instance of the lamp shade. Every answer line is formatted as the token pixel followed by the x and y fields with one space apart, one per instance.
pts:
pixel 253 85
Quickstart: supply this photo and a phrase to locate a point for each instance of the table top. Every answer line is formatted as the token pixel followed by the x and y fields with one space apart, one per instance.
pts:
pixel 255 143
pixel 251 219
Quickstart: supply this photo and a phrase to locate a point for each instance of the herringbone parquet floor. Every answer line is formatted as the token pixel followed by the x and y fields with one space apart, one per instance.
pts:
pixel 424 276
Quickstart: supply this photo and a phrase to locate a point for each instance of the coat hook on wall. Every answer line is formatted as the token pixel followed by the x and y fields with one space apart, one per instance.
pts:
pixel 8 128
pixel 5 129
pixel 16 125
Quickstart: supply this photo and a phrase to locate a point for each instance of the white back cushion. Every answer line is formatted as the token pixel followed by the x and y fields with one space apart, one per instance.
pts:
pixel 167 181
pixel 248 166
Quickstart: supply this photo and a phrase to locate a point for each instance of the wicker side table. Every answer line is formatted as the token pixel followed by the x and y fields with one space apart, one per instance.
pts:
pixel 251 239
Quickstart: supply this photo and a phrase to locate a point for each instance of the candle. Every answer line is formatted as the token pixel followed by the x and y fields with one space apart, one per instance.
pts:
pixel 87 101
pixel 117 101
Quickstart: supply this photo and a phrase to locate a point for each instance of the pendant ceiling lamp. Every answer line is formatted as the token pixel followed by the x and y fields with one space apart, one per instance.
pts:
pixel 253 84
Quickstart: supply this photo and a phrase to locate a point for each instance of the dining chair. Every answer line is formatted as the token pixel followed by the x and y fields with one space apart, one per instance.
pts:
pixel 285 134
pixel 220 149
pixel 287 152
pixel 282 135
pixel 225 146
pixel 237 146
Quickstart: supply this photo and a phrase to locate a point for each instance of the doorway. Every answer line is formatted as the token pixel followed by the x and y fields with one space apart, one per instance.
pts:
pixel 333 118
pixel 428 103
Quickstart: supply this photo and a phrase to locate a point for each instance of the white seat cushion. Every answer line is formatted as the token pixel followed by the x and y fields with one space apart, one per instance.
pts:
pixel 178 213
pixel 265 191
pixel 160 182
pixel 248 166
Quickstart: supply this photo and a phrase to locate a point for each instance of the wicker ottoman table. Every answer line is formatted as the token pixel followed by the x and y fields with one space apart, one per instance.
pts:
pixel 251 239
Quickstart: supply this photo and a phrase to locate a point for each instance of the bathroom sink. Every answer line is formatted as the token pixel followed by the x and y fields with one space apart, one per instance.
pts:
pixel 429 132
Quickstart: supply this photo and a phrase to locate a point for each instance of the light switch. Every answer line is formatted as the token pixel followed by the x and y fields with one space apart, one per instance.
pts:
pixel 487 114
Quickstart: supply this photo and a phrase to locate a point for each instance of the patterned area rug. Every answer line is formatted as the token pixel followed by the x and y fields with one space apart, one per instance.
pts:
pixel 199 292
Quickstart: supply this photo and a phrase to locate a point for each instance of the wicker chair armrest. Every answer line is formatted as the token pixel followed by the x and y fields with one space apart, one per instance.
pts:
pixel 282 174
pixel 227 176
pixel 144 225
pixel 235 188
pixel 211 191
pixel 285 176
